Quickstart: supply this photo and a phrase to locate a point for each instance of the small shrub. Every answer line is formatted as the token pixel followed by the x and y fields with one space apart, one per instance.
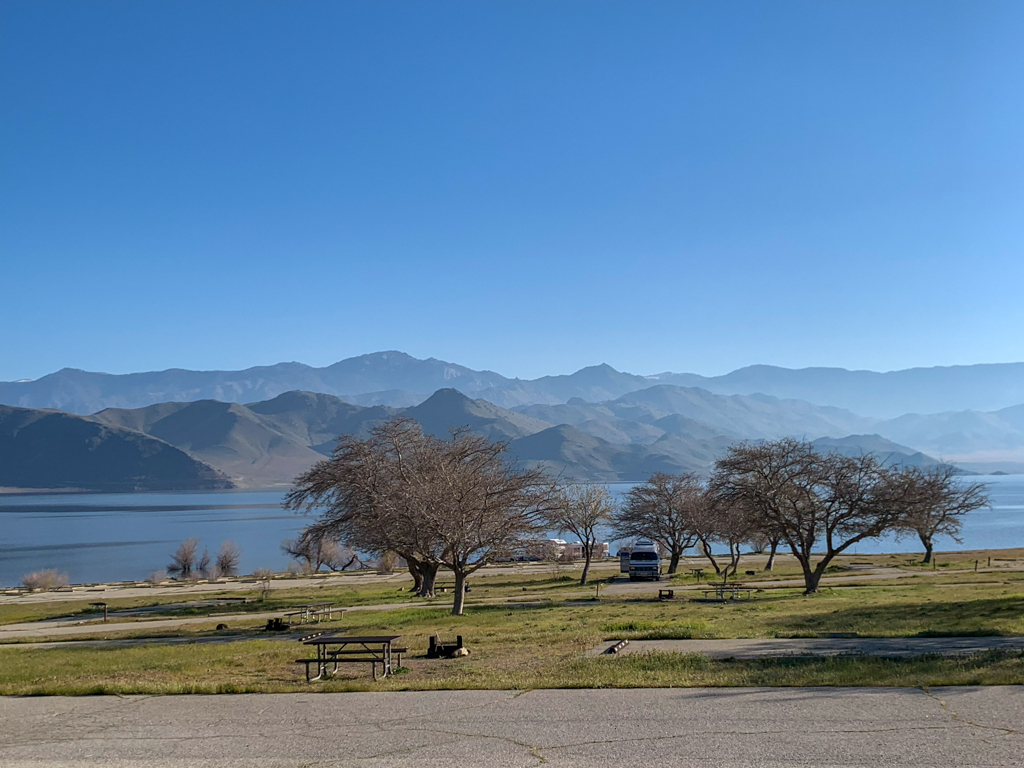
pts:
pixel 157 577
pixel 44 580
pixel 264 576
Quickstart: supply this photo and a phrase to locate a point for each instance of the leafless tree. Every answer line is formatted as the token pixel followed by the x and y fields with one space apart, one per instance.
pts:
pixel 263 577
pixel 809 499
pixel 203 564
pixel 183 561
pixel 729 524
pixel 936 501
pixel 582 510
pixel 44 580
pixel 663 509
pixel 456 503
pixel 227 558
pixel 364 495
pixel 386 562
pixel 474 504
pixel 315 550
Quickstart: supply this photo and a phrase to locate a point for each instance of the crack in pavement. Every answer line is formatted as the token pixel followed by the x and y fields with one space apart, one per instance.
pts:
pixel 956 715
pixel 535 751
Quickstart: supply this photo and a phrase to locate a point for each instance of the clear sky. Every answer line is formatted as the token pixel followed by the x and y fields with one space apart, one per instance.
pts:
pixel 526 187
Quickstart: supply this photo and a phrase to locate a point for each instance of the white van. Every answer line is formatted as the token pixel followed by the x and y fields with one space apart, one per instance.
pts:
pixel 645 561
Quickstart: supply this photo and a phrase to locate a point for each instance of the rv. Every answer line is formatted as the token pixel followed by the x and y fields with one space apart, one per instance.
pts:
pixel 645 561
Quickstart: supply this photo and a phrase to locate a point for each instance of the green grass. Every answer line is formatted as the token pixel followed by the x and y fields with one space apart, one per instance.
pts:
pixel 541 644
pixel 527 586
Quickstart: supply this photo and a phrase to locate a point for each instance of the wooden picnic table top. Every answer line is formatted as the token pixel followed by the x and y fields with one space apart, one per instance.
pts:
pixel 345 639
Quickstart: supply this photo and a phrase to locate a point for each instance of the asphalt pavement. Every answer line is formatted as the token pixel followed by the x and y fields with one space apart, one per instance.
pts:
pixel 755 728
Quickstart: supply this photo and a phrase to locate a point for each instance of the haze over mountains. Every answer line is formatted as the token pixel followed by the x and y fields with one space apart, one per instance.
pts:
pixel 602 425
pixel 270 442
pixel 397 379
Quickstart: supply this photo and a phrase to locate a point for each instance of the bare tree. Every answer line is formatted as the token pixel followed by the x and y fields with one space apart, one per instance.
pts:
pixel 228 558
pixel 475 504
pixel 386 562
pixel 936 501
pixel 263 577
pixel 363 494
pixel 183 561
pixel 662 509
pixel 203 564
pixel 314 549
pixel 808 498
pixel 582 510
pixel 44 580
pixel 727 523
pixel 457 503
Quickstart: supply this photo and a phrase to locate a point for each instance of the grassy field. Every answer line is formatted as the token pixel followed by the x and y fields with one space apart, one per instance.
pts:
pixel 540 643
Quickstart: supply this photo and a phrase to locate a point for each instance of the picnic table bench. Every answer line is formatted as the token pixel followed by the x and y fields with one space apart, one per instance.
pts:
pixel 340 649
pixel 666 594
pixel 317 612
pixel 721 590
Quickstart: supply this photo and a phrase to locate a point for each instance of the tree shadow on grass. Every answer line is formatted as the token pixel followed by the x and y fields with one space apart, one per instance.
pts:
pixel 979 618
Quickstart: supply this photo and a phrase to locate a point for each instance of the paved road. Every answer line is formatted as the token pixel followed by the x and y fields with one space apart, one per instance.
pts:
pixel 762 728
pixel 819 646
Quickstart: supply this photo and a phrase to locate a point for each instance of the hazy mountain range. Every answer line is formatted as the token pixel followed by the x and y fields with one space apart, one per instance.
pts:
pixel 270 442
pixel 176 429
pixel 397 379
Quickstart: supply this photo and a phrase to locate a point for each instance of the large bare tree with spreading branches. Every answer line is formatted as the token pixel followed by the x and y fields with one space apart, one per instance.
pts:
pixel 810 500
pixel 935 501
pixel 582 510
pixel 459 503
pixel 364 495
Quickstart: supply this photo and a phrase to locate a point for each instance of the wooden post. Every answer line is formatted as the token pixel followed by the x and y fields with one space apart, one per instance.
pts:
pixel 975 565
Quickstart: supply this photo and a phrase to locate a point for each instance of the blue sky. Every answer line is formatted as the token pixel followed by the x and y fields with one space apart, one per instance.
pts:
pixel 525 187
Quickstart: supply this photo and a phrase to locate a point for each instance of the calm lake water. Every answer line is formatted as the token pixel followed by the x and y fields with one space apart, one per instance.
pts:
pixel 115 537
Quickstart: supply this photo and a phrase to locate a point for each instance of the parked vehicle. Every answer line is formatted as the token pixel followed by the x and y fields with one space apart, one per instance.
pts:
pixel 645 561
pixel 623 561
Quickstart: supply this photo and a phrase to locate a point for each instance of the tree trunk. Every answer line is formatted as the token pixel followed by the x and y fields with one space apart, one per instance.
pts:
pixel 428 575
pixel 811 579
pixel 417 577
pixel 711 558
pixel 771 555
pixel 927 542
pixel 734 559
pixel 673 563
pixel 586 566
pixel 460 593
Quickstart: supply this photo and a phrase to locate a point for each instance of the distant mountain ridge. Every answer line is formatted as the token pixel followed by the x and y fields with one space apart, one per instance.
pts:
pixel 396 379
pixel 51 449
pixel 663 428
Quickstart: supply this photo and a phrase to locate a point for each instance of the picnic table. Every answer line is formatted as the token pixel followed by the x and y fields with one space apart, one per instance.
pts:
pixel 698 572
pixel 721 590
pixel 342 649
pixel 307 614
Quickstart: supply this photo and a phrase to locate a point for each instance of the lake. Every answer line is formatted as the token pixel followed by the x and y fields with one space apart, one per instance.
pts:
pixel 120 537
